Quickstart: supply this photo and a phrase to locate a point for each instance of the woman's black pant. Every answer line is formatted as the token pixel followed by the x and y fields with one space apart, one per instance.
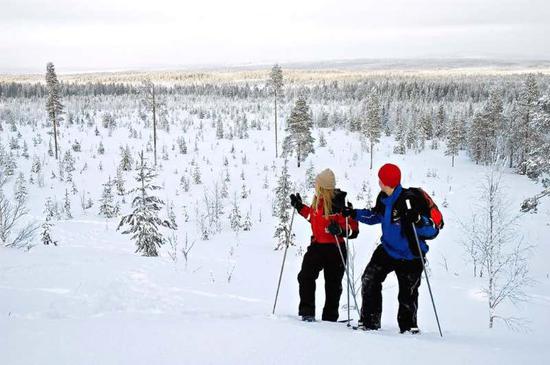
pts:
pixel 408 274
pixel 322 256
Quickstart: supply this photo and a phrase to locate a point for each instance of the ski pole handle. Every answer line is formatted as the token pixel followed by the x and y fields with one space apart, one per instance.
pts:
pixel 408 202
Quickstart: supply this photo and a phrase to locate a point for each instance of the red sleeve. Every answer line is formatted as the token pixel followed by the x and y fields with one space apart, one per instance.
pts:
pixel 305 211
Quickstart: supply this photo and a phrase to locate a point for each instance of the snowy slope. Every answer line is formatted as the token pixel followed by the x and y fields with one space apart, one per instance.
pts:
pixel 92 300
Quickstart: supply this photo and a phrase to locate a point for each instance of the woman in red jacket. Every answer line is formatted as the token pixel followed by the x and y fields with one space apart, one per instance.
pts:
pixel 329 229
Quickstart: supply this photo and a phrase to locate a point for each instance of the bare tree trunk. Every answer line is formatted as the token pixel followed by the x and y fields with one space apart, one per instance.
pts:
pixel 371 152
pixel 55 134
pixel 453 161
pixel 276 148
pixel 154 127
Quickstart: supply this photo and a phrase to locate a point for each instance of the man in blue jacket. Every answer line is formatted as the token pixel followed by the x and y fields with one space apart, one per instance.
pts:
pixel 397 252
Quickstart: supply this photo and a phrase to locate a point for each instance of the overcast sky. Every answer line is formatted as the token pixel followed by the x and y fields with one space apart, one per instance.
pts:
pixel 123 34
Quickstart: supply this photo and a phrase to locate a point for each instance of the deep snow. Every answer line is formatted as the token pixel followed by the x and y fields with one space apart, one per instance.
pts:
pixel 92 300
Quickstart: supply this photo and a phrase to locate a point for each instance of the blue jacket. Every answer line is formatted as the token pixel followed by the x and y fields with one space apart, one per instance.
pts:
pixel 393 239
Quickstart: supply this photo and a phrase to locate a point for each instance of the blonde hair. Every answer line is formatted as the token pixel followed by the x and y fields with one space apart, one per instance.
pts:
pixel 326 195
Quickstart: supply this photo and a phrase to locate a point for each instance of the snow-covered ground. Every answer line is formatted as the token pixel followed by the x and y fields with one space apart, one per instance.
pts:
pixel 93 300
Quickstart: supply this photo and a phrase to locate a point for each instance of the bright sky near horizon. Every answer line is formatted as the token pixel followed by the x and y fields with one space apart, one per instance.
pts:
pixel 121 34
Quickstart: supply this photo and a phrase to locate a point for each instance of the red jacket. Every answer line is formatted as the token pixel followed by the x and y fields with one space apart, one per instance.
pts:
pixel 320 223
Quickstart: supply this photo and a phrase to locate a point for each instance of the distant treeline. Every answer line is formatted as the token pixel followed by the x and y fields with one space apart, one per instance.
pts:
pixel 453 88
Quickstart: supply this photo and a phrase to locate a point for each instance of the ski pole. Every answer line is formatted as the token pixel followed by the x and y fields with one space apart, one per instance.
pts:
pixel 284 259
pixel 347 265
pixel 347 273
pixel 424 269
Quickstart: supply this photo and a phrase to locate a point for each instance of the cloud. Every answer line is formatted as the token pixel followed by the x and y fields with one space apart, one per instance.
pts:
pixel 131 33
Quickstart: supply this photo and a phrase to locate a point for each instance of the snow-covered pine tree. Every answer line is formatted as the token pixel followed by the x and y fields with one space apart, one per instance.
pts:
pixel 371 128
pixel 485 130
pixel 538 163
pixel 282 207
pixel 276 86
pixel 20 187
pixel 54 106
pixel 184 183
pixel 400 136
pixel 247 224
pixel 525 128
pixel 101 148
pixel 119 182
pixel 182 145
pixel 67 205
pixel 108 208
pixel 454 136
pixel 69 163
pixel 197 175
pixel 219 129
pixel 144 221
pixel 235 216
pixel 126 160
pixel 310 176
pixel 45 235
pixel 299 139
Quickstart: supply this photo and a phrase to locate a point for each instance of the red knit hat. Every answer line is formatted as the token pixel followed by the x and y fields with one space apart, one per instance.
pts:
pixel 390 175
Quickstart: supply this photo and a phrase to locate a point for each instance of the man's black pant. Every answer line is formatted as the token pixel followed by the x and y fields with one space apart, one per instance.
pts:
pixel 319 257
pixel 408 274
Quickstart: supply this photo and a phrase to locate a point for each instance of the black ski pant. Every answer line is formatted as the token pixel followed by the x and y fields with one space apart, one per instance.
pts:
pixel 408 274
pixel 324 257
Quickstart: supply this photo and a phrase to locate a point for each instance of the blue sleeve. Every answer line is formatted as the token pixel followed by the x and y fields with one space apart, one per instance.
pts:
pixel 367 216
pixel 426 229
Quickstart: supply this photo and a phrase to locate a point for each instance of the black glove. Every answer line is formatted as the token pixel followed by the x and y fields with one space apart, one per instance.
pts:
pixel 296 201
pixel 411 216
pixel 349 211
pixel 334 229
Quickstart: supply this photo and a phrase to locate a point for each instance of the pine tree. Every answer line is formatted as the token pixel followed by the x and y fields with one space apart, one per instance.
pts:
pixel 276 84
pixel 372 129
pixel 9 164
pixel 101 148
pixel 400 137
pixel 67 205
pixel 235 216
pixel 108 207
pixel 69 162
pixel 537 163
pixel 126 160
pixel 182 145
pixel 453 140
pixel 282 207
pixel 299 125
pixel 119 182
pixel 184 183
pixel 45 236
pixel 526 132
pixel 49 209
pixel 247 225
pixel 21 193
pixel 54 106
pixel 144 221
pixel 25 150
pixel 197 175
pixel 310 176
pixel 485 130
pixel 244 191
pixel 219 129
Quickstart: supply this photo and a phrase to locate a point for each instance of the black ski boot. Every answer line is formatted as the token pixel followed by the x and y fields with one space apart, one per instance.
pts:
pixel 308 318
pixel 412 331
